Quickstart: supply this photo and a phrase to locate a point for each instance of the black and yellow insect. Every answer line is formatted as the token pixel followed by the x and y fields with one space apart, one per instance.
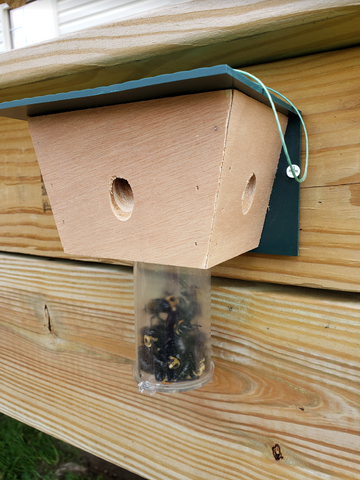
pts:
pixel 173 347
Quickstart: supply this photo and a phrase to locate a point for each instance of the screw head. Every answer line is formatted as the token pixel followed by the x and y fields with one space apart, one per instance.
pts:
pixel 296 170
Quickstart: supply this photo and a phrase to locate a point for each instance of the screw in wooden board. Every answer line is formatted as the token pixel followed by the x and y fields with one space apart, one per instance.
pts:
pixel 277 452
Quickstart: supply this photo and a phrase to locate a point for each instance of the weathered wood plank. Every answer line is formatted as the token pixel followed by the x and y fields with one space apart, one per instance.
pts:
pixel 287 374
pixel 325 87
pixel 181 37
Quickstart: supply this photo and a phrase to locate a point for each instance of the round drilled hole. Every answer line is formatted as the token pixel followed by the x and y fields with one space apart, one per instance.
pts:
pixel 121 198
pixel 248 194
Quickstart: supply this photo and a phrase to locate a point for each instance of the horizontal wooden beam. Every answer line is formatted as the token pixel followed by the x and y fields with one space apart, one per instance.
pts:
pixel 325 88
pixel 284 402
pixel 191 34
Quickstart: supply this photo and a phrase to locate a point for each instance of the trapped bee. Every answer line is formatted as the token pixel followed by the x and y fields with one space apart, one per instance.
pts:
pixel 173 346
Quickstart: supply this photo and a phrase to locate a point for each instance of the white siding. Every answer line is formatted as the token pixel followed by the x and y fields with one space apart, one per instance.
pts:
pixel 2 40
pixel 75 15
pixel 2 44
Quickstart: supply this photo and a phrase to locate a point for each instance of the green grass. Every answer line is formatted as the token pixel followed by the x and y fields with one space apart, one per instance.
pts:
pixel 27 454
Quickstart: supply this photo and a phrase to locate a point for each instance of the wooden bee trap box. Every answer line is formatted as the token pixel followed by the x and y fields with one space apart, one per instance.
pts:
pixel 184 179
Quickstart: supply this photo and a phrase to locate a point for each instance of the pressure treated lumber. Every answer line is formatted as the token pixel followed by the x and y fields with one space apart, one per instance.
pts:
pixel 26 221
pixel 182 181
pixel 287 364
pixel 325 88
pixel 189 35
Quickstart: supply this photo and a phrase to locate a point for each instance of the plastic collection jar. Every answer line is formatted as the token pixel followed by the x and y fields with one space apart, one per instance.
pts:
pixel 173 328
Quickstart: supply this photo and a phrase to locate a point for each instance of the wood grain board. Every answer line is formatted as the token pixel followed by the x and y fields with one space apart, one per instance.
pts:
pixel 26 221
pixel 189 35
pixel 284 402
pixel 326 88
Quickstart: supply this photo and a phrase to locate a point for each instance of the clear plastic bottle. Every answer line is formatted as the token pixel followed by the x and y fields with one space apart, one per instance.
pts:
pixel 173 328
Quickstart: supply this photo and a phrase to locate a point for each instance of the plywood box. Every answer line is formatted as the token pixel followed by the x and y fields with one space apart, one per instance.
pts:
pixel 183 180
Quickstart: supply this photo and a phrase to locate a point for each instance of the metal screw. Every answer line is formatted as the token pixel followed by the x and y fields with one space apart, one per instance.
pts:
pixel 296 170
